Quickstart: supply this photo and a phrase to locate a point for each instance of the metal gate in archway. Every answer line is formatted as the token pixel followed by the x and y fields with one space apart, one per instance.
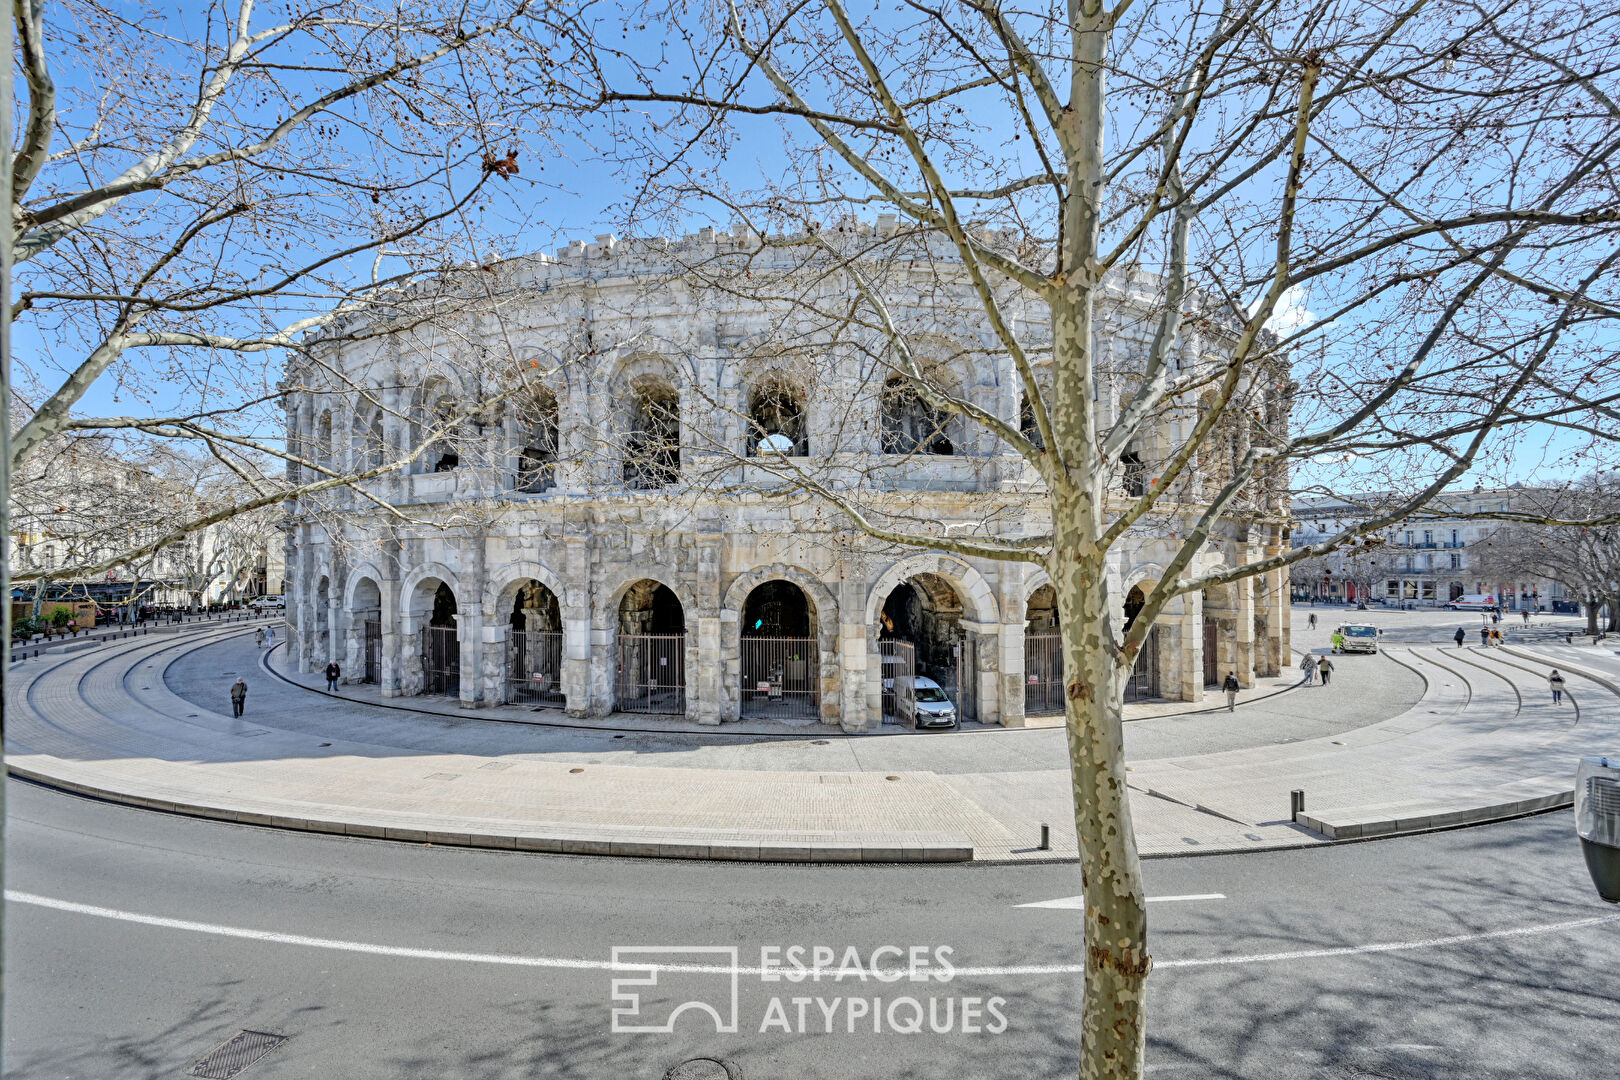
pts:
pixel 534 669
pixel 441 661
pixel 372 640
pixel 781 678
pixel 1043 674
pixel 899 666
pixel 968 691
pixel 1212 660
pixel 1144 680
pixel 652 674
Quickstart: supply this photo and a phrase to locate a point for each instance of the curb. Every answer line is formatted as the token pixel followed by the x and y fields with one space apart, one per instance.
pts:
pixel 901 848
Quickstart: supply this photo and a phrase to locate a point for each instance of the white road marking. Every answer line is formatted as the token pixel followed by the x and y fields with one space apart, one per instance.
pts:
pixel 1076 903
pixel 17 897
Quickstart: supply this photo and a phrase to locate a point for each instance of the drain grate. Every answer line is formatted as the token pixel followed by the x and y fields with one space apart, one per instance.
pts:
pixel 235 1054
pixel 704 1069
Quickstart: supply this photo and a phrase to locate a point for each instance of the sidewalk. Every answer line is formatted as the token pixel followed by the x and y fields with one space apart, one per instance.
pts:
pixel 147 722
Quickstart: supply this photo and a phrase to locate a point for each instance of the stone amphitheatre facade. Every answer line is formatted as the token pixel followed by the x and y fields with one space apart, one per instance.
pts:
pixel 601 520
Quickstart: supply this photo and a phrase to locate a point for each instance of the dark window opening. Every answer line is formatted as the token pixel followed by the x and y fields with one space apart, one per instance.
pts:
pixel 911 425
pixel 652 457
pixel 1134 600
pixel 1135 474
pixel 444 607
pixel 776 424
pixel 651 608
pixel 1027 427
pixel 537 461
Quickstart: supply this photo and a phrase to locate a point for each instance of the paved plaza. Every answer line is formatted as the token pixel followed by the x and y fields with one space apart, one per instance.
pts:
pixel 1424 735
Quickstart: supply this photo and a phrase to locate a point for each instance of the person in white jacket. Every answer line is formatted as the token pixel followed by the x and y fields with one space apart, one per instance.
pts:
pixel 1555 681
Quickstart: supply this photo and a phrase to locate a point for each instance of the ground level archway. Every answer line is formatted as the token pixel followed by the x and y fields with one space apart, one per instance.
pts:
pixel 651 672
pixel 779 655
pixel 440 643
pixel 534 646
pixel 919 637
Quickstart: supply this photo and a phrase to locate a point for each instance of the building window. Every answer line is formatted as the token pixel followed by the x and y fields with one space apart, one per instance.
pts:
pixel 537 439
pixel 1428 536
pixel 1454 538
pixel 776 423
pixel 652 453
pixel 1134 471
pixel 1392 588
pixel 1456 561
pixel 910 425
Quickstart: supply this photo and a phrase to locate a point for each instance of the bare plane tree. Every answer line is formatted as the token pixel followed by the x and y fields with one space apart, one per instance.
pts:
pixel 1367 244
pixel 195 194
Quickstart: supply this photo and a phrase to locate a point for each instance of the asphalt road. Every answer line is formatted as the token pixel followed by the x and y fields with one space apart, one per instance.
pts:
pixel 504 972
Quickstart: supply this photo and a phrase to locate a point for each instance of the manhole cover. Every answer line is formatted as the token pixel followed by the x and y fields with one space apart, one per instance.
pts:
pixel 236 1054
pixel 820 742
pixel 704 1069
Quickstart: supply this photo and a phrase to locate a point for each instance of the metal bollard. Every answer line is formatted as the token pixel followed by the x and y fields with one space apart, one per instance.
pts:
pixel 1046 837
pixel 1296 803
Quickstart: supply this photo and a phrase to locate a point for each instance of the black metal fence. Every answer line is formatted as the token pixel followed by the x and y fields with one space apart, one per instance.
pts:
pixel 781 678
pixel 534 668
pixel 373 650
pixel 652 674
pixel 1144 680
pixel 899 681
pixel 441 661
pixel 1043 674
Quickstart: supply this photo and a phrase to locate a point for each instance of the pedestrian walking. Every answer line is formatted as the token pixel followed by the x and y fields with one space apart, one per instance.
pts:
pixel 258 637
pixel 333 673
pixel 1325 666
pixel 1308 666
pixel 1496 639
pixel 270 635
pixel 1338 641
pixel 1311 620
pixel 1231 688
pixel 1460 636
pixel 1526 614
pixel 238 696
pixel 1556 682
pixel 1484 635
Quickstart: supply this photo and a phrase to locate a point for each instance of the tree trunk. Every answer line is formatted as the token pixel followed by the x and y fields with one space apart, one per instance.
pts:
pixel 1113 1024
pixel 1592 614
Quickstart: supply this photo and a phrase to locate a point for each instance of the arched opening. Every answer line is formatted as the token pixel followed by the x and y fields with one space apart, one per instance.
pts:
pixel 652 445
pixel 444 456
pixel 366 616
pixel 323 618
pixel 1133 474
pixel 1220 633
pixel 323 440
pixel 1143 682
pixel 534 648
pixel 652 650
pixel 776 422
pixel 920 645
pixel 910 425
pixel 780 654
pixel 1027 427
pixel 1043 654
pixel 370 446
pixel 536 424
pixel 441 647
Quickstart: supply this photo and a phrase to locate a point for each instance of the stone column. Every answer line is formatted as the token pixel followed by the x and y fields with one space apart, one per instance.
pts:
pixel 576 617
pixel 1191 675
pixel 706 659
pixel 857 710
pixel 471 637
pixel 988 673
pixel 1243 638
pixel 392 621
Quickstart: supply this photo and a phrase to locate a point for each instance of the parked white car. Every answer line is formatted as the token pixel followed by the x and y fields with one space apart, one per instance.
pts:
pixel 268 603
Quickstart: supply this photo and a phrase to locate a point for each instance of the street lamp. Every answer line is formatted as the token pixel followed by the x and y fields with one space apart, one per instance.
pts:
pixel 1597 822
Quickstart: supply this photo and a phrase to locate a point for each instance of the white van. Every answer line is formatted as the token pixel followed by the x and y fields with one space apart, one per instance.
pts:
pixel 1473 602
pixel 268 603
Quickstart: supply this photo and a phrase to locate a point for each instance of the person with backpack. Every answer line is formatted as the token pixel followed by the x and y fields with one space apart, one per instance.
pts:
pixel 1310 620
pixel 1555 682
pixel 333 673
pixel 1231 687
